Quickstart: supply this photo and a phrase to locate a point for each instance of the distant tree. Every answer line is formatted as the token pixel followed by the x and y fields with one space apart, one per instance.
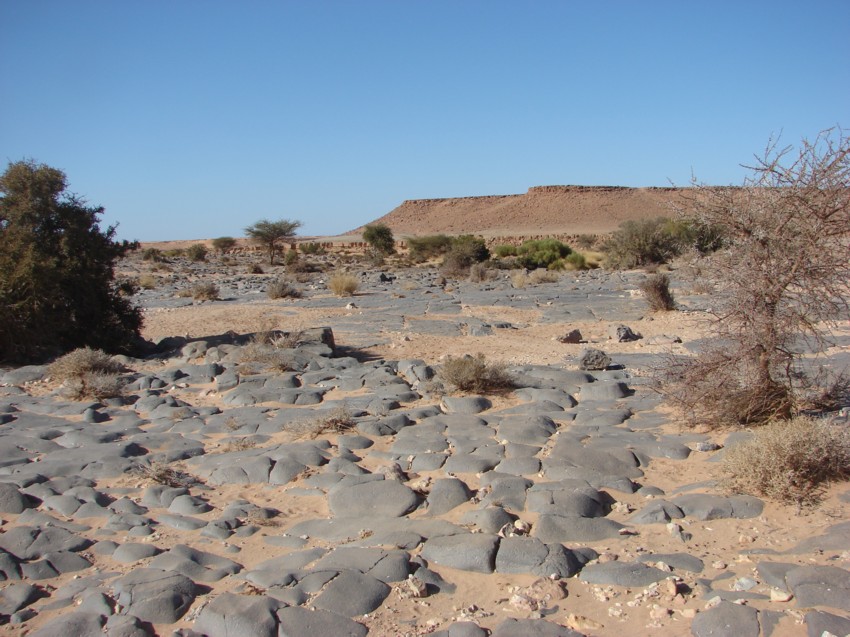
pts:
pixel 783 278
pixel 57 278
pixel 380 237
pixel 271 233
pixel 223 244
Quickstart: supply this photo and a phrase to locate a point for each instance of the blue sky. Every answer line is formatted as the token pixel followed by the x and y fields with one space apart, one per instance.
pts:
pixel 193 119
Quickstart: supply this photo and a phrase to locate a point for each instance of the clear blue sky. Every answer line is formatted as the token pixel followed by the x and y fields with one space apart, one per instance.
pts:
pixel 193 119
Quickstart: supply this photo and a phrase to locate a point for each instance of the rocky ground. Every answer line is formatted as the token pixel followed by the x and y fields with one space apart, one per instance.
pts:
pixel 351 494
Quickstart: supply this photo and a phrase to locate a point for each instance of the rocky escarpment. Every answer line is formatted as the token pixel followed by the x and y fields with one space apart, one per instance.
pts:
pixel 541 210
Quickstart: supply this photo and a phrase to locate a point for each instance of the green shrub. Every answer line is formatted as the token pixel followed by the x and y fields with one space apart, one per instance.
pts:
pixel 197 252
pixel 223 244
pixel 656 291
pixel 541 253
pixel 428 247
pixel 503 251
pixel 464 251
pixel 311 247
pixel 380 238
pixel 282 289
pixel 789 461
pixel 255 268
pixel 343 284
pixel 147 281
pixel 480 273
pixel 290 258
pixel 655 241
pixel 575 261
pixel 173 253
pixel 205 292
pixel 57 271
pixel 476 374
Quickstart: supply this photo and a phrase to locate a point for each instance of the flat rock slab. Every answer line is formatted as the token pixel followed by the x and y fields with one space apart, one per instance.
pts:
pixel 726 619
pixel 379 498
pixel 352 593
pixel 466 552
pixel 532 628
pixel 820 586
pixel 622 574
pixel 300 622
pixel 704 506
pixel 153 595
pixel 558 528
pixel 230 614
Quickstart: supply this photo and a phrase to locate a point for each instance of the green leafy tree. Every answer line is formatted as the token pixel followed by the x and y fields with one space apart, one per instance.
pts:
pixel 272 233
pixel 380 237
pixel 57 278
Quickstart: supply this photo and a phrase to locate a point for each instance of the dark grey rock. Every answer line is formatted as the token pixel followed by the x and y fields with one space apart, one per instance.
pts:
pixel 657 512
pixel 490 519
pixel 133 552
pixel 820 623
pixel 29 543
pixel 446 494
pixel 573 336
pixel 467 552
pixel 352 593
pixel 820 586
pixel 79 623
pixel 12 500
pixel 379 498
pixel 621 574
pixel 704 506
pixel 532 628
pixel 195 564
pixel 153 595
pixel 593 360
pixel 230 614
pixel 726 619
pixel 679 561
pixel 465 404
pixel 300 622
pixel 622 334
pixel 558 528
pixel 462 629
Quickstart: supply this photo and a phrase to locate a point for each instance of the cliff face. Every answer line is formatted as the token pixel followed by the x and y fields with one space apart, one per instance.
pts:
pixel 541 210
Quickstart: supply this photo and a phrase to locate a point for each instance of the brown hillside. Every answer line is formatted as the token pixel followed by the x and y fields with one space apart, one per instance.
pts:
pixel 542 210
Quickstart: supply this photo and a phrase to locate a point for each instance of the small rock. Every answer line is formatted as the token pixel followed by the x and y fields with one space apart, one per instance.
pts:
pixel 744 584
pixel 580 622
pixel 777 595
pixel 688 613
pixel 573 336
pixel 705 446
pixel 594 360
pixel 623 334
pixel 659 612
pixel 523 602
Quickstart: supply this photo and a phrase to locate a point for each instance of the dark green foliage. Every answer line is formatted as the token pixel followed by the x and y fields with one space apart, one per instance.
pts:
pixel 380 237
pixel 197 252
pixel 311 247
pixel 272 233
pixel 655 241
pixel 541 253
pixel 428 247
pixel 503 251
pixel 223 244
pixel 57 278
pixel 465 251
pixel 642 242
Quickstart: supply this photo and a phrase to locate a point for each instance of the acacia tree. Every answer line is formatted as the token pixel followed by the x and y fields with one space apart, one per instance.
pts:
pixel 57 287
pixel 271 233
pixel 380 237
pixel 783 278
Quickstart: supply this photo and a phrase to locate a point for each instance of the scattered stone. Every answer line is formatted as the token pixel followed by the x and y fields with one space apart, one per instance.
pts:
pixel 593 360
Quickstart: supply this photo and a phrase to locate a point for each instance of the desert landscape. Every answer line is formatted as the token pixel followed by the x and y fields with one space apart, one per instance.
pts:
pixel 301 466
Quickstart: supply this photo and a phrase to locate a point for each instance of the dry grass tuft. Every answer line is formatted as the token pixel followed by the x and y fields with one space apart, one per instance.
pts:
pixel 343 284
pixel 205 292
pixel 656 291
pixel 336 421
pixel 789 461
pixel 88 373
pixel 476 374
pixel 282 289
pixel 162 473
